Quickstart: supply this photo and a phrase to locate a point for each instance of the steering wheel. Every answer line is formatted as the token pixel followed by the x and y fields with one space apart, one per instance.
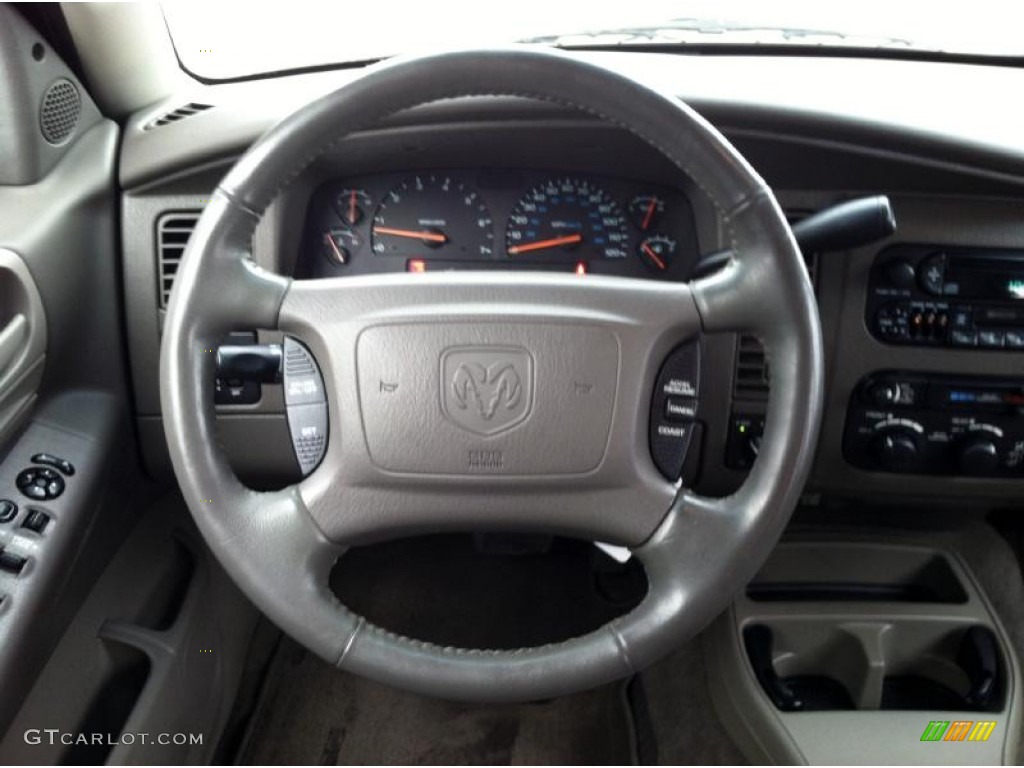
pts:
pixel 585 352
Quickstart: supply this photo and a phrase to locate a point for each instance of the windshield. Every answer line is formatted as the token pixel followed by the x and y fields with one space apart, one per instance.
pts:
pixel 218 41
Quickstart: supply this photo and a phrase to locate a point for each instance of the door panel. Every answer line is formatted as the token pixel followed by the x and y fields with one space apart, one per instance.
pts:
pixel 62 370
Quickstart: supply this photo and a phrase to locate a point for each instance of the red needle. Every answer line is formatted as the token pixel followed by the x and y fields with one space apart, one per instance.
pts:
pixel 554 242
pixel 352 208
pixel 433 237
pixel 653 256
pixel 649 214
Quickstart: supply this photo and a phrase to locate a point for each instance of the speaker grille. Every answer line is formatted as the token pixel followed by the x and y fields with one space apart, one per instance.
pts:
pixel 59 112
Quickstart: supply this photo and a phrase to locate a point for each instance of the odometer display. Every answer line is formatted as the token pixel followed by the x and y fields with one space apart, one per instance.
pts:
pixel 567 217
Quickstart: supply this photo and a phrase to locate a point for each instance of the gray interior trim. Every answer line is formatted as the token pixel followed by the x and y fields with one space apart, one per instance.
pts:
pixel 29 67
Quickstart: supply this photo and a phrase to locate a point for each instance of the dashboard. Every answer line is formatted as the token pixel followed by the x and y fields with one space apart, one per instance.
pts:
pixel 552 220
pixel 915 412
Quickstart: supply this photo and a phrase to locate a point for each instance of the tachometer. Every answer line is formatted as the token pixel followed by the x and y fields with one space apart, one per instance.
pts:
pixel 433 213
pixel 570 217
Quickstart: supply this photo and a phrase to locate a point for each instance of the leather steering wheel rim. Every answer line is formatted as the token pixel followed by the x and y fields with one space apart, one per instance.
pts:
pixel 698 552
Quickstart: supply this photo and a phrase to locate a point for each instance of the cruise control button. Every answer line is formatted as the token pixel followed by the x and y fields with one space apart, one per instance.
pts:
pixel 308 427
pixel 680 409
pixel 303 383
pixel 8 510
pixel 669 445
pixel 680 374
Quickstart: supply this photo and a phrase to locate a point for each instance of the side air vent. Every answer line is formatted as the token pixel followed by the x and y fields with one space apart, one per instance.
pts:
pixel 752 370
pixel 177 114
pixel 172 233
pixel 751 381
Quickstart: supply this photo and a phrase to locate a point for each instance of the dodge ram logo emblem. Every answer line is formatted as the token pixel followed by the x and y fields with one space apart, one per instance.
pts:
pixel 486 390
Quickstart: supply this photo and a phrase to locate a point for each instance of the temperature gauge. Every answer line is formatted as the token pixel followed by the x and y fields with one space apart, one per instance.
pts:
pixel 352 205
pixel 339 245
pixel 645 210
pixel 657 251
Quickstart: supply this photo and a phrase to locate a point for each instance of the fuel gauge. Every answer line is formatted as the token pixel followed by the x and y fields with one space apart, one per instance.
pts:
pixel 657 251
pixel 339 245
pixel 352 205
pixel 645 210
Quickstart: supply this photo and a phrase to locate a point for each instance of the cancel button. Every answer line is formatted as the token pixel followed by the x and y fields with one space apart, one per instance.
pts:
pixel 680 409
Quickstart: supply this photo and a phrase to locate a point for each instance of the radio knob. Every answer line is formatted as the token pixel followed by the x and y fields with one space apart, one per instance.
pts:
pixel 896 450
pixel 979 456
pixel 901 273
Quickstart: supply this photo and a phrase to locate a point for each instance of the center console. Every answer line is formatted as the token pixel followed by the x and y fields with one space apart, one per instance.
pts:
pixel 881 652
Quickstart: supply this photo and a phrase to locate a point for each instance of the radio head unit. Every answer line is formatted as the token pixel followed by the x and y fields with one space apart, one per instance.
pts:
pixel 928 295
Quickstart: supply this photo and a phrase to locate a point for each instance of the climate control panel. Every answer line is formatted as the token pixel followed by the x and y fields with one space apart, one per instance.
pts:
pixel 937 424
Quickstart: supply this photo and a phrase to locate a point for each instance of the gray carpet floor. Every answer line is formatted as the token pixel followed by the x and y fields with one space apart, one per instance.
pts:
pixel 312 714
pixel 442 589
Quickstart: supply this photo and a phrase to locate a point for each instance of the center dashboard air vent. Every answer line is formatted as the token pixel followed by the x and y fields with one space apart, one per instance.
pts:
pixel 172 233
pixel 752 372
pixel 180 113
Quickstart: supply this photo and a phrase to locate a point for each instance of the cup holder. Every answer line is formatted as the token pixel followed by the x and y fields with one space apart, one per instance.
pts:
pixel 808 664
pixel 802 685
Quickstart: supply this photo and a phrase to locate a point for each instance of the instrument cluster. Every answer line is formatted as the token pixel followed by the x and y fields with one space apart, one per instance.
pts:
pixel 498 219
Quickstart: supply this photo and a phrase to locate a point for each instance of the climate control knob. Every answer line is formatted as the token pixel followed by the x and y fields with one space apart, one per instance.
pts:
pixel 896 450
pixel 978 456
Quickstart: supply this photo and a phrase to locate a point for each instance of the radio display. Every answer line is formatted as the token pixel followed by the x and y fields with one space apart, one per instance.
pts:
pixel 985 277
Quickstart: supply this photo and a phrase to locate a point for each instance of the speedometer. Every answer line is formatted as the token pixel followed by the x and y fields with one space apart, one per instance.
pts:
pixel 571 217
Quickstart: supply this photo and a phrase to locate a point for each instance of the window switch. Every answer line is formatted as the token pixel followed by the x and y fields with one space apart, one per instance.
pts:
pixel 36 521
pixel 11 562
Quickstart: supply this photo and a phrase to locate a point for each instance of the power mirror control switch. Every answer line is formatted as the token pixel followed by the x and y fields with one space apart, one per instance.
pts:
pixel 40 483
pixel 305 405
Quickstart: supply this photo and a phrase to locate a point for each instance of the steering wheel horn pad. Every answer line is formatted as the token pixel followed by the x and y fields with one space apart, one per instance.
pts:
pixel 489 400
